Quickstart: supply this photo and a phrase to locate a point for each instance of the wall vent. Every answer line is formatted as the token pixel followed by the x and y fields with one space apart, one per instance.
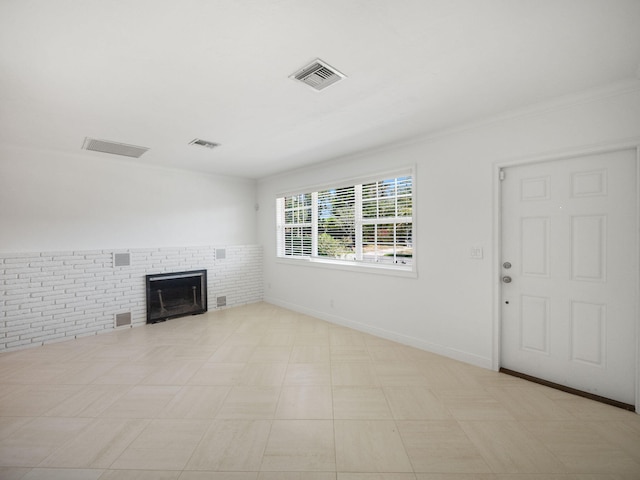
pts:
pixel 123 319
pixel 115 148
pixel 204 143
pixel 221 301
pixel 121 259
pixel 318 75
pixel 221 253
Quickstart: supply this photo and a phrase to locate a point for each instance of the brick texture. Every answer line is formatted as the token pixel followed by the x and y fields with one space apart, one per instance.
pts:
pixel 52 296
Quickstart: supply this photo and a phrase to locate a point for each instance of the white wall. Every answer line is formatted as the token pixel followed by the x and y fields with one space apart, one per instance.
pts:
pixel 51 202
pixel 448 309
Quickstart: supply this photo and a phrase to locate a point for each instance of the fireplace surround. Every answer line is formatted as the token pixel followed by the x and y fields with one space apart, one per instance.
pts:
pixel 176 294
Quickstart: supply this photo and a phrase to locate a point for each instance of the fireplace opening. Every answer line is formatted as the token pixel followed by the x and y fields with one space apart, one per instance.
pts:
pixel 178 294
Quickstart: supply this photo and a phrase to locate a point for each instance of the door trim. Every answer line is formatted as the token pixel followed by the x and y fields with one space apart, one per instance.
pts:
pixel 629 144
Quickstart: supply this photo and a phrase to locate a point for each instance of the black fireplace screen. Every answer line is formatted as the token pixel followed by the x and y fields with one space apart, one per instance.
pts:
pixel 178 294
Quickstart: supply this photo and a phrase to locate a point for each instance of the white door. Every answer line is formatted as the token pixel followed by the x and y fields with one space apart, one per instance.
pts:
pixel 569 312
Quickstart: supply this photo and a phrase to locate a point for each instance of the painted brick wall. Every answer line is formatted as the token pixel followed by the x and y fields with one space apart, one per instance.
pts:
pixel 56 296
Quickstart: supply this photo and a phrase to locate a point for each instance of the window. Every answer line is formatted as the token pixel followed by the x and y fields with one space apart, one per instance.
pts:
pixel 297 225
pixel 365 223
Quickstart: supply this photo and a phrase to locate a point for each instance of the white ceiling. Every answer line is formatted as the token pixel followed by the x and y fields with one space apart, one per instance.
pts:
pixel 159 73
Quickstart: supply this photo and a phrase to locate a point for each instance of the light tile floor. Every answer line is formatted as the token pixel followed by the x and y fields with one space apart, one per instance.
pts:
pixel 262 393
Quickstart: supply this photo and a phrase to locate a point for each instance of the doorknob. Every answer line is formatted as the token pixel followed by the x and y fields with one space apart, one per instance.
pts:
pixel 506 279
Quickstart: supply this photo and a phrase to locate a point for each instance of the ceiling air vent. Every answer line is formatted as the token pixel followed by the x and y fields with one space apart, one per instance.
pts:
pixel 318 75
pixel 203 143
pixel 114 148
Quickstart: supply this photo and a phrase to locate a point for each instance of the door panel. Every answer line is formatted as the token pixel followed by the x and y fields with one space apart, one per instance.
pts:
pixel 534 254
pixel 569 314
pixel 588 327
pixel 534 324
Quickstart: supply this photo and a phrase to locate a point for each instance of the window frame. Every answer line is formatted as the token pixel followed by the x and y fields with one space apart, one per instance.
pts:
pixel 315 260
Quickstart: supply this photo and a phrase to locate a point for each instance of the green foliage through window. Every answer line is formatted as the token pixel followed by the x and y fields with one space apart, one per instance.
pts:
pixel 368 222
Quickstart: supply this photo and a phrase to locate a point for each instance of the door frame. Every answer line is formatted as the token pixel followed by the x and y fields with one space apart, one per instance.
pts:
pixel 631 144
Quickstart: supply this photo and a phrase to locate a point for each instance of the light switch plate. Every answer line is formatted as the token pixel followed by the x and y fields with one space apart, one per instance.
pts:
pixel 476 253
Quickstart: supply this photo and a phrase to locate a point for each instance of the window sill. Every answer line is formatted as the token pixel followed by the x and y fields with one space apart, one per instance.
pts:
pixel 406 272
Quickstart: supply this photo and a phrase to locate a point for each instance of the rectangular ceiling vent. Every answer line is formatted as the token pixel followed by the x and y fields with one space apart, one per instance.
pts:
pixel 114 148
pixel 203 143
pixel 318 75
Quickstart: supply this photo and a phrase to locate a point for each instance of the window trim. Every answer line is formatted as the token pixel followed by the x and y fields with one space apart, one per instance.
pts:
pixel 410 271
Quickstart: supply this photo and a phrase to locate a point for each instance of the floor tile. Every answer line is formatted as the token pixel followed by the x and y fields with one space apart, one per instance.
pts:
pixel 305 402
pixel 625 435
pixel 528 403
pixel 9 425
pixel 399 374
pixel 162 445
pixel 270 354
pixel 35 400
pixel 139 475
pixel 232 354
pixel 231 445
pixel 440 447
pixel 297 476
pixel 141 401
pixel 583 449
pixel 98 445
pixel 360 403
pixel 384 353
pixel 479 476
pixel 369 446
pixel 473 404
pixel 13 473
pixel 83 373
pixel 345 337
pixel 227 374
pixel 311 338
pixel 310 325
pixel 37 373
pixel 308 374
pixel 126 374
pixel 63 474
pixel 310 354
pixel 585 409
pixel 91 401
pixel 196 401
pixel 263 374
pixel 250 403
pixel 283 338
pixel 300 445
pixel 218 476
pixel 508 447
pixel 175 373
pixel 36 440
pixel 376 476
pixel 242 338
pixel 354 374
pixel 415 403
pixel 350 353
pixel 9 389
pixel 439 377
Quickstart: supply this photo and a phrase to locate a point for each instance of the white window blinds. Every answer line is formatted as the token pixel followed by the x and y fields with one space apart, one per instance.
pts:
pixel 336 228
pixel 387 221
pixel 369 222
pixel 295 225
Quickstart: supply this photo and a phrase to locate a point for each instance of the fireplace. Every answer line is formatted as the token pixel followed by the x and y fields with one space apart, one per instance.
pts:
pixel 178 294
